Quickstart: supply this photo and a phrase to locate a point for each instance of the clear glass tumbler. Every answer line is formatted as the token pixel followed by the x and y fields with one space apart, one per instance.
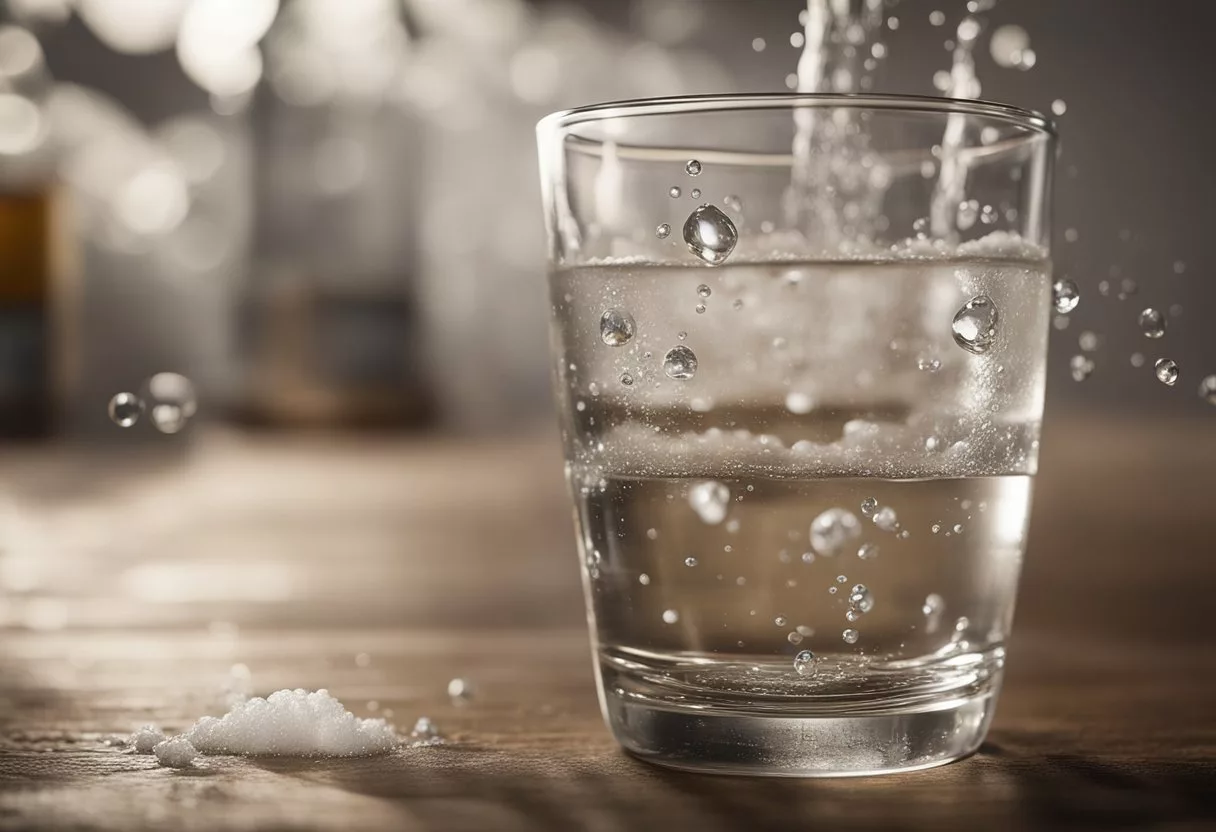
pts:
pixel 799 348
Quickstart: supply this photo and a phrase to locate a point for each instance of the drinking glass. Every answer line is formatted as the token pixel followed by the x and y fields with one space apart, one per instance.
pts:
pixel 799 352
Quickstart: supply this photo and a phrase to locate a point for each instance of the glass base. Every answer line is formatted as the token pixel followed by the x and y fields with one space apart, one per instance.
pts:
pixel 801 746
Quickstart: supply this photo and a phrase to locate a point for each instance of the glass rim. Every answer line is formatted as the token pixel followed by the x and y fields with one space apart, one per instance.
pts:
pixel 735 102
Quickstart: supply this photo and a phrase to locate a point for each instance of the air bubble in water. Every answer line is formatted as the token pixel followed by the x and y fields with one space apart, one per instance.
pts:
pixel 780 621
pixel 833 530
pixel 710 501
pixel 1167 371
pixel 1081 367
pixel 670 616
pixel 626 379
pixel 710 234
pixel 662 231
pixel 674 192
pixel 1207 389
pixel 1152 323
pixel 680 363
pixel 700 309
pixel 690 561
pixel 886 519
pixel 794 638
pixel 1065 296
pixel 692 167
pixel 616 327
pixel 867 551
pixel 695 193
pixel 975 324
pixel 125 409
pixel 852 615
pixel 804 663
pixel 850 636
pixel 868 506
pixel 704 291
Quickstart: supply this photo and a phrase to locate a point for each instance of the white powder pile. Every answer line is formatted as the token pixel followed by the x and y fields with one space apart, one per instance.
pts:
pixel 175 753
pixel 292 723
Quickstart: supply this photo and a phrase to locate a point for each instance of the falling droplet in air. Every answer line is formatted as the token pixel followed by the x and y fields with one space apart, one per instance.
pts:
pixel 1059 106
pixel 670 616
pixel 833 530
pixel 1167 371
pixel 704 291
pixel 1207 389
pixel 125 409
pixel 850 636
pixel 663 231
pixel 974 325
pixel 1007 45
pixel 804 663
pixel 1152 323
pixel 1065 296
pixel 794 638
pixel 867 551
pixel 695 193
pixel 674 192
pixel 680 363
pixel 1081 367
pixel 710 501
pixel 710 234
pixel 868 506
pixel 616 327
pixel 886 519
pixel 692 167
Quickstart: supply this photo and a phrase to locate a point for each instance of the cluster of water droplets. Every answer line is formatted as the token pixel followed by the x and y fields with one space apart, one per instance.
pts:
pixel 170 397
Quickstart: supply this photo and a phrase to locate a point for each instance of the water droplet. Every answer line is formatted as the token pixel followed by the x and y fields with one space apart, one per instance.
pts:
pixel 934 604
pixel 644 579
pixel 1127 288
pixel 652 534
pixel 842 579
pixel 831 590
pixel 968 213
pixel 580 405
pixel 1152 323
pixel 758 44
pixel 704 291
pixel 935 528
pixel 1065 296
pixel 868 506
pixel 850 636
pixel 1081 367
pixel 690 561
pixel 710 234
pixel 616 327
pixel 670 616
pixel 425 731
pixel 833 530
pixel 937 18
pixel 794 638
pixel 626 379
pixel 168 418
pixel 804 663
pixel 662 231
pixel 928 364
pixel 1207 389
pixel 962 624
pixel 852 615
pixel 886 519
pixel 958 528
pixel 867 551
pixel 780 621
pixel 808 557
pixel 736 304
pixel 1089 341
pixel 695 193
pixel 460 689
pixel 692 167
pixel 700 309
pixel 988 215
pixel 710 501
pixel 674 192
pixel 1059 106
pixel 680 363
pixel 1137 359
pixel 1167 371
pixel 975 325
pixel 125 409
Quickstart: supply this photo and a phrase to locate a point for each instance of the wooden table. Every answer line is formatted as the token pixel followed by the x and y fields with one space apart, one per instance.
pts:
pixel 126 597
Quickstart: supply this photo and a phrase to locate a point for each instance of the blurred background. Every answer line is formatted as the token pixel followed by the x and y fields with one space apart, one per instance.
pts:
pixel 285 218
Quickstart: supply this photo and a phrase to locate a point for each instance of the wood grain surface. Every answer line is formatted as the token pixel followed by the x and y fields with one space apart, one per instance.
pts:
pixel 380 569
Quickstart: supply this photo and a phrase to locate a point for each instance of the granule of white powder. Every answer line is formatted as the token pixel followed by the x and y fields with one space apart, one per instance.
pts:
pixel 292 723
pixel 145 739
pixel 175 753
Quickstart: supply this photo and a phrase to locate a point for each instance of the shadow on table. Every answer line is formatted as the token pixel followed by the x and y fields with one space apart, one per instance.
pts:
pixel 461 786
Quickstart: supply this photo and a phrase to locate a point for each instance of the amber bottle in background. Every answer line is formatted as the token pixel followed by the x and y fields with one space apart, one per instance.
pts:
pixel 31 371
